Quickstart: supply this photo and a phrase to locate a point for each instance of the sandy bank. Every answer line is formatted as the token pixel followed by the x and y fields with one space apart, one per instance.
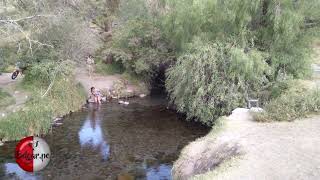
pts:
pixel 105 83
pixel 243 149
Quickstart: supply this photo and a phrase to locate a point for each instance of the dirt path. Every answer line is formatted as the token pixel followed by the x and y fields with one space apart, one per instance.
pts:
pixel 98 81
pixel 82 76
pixel 279 150
pixel 9 85
pixel 103 82
pixel 282 150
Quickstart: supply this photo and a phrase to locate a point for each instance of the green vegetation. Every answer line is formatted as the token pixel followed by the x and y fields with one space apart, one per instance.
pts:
pixel 108 69
pixel 219 76
pixel 36 117
pixel 265 42
pixel 140 48
pixel 296 101
pixel 217 53
pixel 50 47
pixel 5 99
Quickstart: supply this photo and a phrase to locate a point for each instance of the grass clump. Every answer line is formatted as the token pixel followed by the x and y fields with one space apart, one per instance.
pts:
pixel 5 99
pixel 34 119
pixel 297 101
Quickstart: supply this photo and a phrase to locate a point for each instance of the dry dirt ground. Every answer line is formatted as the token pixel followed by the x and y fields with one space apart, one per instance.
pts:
pixel 282 150
pixel 103 83
pixel 9 85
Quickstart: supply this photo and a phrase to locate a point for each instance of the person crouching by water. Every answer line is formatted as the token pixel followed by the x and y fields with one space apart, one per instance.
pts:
pixel 96 95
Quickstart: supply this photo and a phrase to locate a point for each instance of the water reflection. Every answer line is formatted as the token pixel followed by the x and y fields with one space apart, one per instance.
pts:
pixel 91 134
pixel 12 170
pixel 162 172
pixel 139 141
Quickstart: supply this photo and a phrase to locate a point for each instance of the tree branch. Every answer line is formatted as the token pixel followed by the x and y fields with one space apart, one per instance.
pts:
pixel 25 18
pixel 15 24
pixel 52 82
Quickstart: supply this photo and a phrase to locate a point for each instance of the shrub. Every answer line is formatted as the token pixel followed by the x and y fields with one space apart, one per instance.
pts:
pixel 35 118
pixel 40 75
pixel 296 102
pixel 266 40
pixel 141 49
pixel 109 69
pixel 210 80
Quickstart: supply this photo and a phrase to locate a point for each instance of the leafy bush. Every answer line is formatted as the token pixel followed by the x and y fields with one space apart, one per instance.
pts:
pixel 35 118
pixel 7 58
pixel 210 80
pixel 267 40
pixel 109 69
pixel 296 102
pixel 42 74
pixel 140 48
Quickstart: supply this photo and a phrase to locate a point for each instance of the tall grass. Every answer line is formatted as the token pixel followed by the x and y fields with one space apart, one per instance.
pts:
pixel 36 116
pixel 296 102
pixel 5 99
pixel 34 119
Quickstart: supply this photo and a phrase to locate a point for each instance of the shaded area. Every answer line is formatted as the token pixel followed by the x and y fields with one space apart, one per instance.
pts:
pixel 158 82
pixel 140 141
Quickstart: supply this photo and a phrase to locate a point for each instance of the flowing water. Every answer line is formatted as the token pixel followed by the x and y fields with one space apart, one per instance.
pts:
pixel 112 141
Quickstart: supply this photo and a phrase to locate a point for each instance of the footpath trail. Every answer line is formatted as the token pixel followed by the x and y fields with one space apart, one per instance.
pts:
pixel 82 75
pixel 88 80
pixel 9 85
pixel 102 82
pixel 283 150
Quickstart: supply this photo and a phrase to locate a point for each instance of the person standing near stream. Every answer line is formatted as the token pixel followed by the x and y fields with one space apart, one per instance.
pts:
pixel 90 63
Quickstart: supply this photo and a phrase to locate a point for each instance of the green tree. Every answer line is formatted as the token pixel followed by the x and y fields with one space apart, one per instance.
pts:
pixel 211 79
pixel 262 41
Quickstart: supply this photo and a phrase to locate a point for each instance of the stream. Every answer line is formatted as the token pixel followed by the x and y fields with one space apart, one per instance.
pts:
pixel 112 141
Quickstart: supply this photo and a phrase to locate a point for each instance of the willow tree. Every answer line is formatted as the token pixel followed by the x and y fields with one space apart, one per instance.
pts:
pixel 246 46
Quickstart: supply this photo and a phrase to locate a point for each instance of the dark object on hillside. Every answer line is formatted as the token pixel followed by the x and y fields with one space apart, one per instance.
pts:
pixel 253 103
pixel 20 68
pixel 109 58
pixel 15 74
